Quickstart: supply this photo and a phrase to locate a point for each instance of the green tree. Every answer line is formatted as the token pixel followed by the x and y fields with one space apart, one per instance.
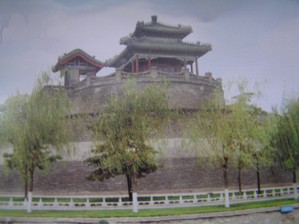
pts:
pixel 36 127
pixel 124 134
pixel 209 134
pixel 287 139
pixel 229 132
pixel 251 130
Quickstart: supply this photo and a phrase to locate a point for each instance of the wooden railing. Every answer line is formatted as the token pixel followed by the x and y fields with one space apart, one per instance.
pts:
pixel 96 202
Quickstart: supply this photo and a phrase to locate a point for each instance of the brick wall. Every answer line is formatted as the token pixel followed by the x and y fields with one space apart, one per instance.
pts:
pixel 173 175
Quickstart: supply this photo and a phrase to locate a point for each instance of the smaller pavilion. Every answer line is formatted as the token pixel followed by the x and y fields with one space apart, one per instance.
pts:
pixel 77 65
pixel 158 46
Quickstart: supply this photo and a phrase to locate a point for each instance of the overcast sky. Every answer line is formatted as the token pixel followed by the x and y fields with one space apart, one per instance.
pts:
pixel 256 40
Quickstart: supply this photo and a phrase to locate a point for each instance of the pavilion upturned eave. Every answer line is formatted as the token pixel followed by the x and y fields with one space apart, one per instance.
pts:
pixel 74 54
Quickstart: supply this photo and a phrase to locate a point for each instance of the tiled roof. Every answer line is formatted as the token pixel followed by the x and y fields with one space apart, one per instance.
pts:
pixel 156 28
pixel 77 53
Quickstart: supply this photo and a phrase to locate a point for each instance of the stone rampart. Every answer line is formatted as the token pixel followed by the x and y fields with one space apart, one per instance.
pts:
pixel 178 171
pixel 173 175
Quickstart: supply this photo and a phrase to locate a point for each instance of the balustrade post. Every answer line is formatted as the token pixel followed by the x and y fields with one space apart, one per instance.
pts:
pixel 245 195
pixel 265 193
pixel 166 200
pixel 233 196
pixel 209 198
pixel 221 198
pixel 151 200
pixel 87 202
pixel 194 198
pixel 181 199
pixel 25 202
pixel 55 202
pixel 10 204
pixel 295 191
pixel 227 199
pixel 40 203
pixel 72 203
pixel 120 202
pixel 104 202
pixel 135 202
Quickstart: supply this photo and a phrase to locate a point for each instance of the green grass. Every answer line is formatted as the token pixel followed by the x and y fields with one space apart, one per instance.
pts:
pixel 144 212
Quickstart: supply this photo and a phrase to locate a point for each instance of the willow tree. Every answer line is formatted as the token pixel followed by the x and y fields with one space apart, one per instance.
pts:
pixel 124 134
pixel 209 134
pixel 251 133
pixel 287 139
pixel 228 133
pixel 36 127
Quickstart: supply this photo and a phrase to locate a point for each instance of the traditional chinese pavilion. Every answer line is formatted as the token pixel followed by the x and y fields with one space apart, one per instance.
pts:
pixel 77 65
pixel 155 45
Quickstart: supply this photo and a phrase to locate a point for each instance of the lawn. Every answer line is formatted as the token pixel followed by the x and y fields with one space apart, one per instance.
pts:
pixel 144 212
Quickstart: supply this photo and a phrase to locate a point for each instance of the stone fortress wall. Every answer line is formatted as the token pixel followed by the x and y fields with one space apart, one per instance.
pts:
pixel 179 170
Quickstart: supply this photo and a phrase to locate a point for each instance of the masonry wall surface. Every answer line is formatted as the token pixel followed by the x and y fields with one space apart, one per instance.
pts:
pixel 173 175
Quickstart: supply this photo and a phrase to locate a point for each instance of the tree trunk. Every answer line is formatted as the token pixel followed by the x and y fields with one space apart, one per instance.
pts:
pixel 295 184
pixel 30 189
pixel 26 189
pixel 258 176
pixel 294 176
pixel 225 178
pixel 239 179
pixel 25 174
pixel 129 184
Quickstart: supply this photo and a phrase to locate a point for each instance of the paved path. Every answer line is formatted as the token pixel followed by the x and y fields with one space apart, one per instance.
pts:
pixel 250 216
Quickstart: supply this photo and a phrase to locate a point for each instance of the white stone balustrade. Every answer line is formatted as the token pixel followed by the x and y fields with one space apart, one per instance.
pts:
pixel 96 202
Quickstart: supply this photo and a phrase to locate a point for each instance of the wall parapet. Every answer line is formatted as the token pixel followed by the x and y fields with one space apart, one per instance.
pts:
pixel 185 90
pixel 147 76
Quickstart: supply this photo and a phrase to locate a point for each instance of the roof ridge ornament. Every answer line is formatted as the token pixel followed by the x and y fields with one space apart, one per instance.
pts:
pixel 154 19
